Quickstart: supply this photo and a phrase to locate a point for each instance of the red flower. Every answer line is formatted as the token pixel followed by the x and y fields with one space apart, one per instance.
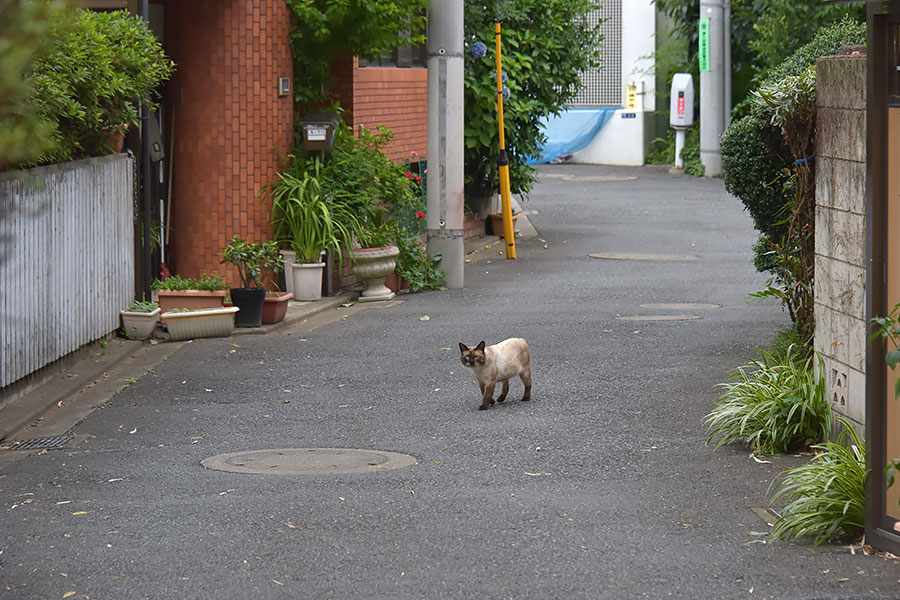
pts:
pixel 420 214
pixel 409 175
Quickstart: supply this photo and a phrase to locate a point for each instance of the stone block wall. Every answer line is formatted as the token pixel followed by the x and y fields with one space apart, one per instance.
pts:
pixel 840 270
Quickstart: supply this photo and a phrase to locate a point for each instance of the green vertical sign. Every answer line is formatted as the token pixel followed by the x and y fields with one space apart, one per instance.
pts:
pixel 703 39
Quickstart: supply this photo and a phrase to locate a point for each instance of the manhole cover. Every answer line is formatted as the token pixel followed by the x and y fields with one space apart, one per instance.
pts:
pixel 679 306
pixel 308 461
pixel 658 318
pixel 590 178
pixel 638 256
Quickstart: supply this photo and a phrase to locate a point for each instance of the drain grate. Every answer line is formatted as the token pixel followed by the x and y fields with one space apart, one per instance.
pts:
pixel 45 443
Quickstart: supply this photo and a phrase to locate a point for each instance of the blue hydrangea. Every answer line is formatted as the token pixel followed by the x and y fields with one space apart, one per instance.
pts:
pixel 479 49
pixel 506 92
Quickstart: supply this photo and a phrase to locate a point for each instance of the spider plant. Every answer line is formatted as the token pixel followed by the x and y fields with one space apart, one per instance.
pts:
pixel 827 495
pixel 774 405
pixel 306 219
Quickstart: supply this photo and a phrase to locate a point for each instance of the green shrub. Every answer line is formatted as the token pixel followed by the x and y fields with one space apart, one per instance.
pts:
pixel 206 282
pixel 754 155
pixel 90 81
pixel 774 405
pixel 416 266
pixel 827 41
pixel 753 161
pixel 142 306
pixel 323 30
pixel 24 26
pixel 828 495
pixel 662 151
pixel 546 45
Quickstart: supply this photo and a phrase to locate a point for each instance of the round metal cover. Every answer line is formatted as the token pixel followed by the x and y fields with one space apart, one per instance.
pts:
pixel 644 256
pixel 658 318
pixel 308 461
pixel 679 306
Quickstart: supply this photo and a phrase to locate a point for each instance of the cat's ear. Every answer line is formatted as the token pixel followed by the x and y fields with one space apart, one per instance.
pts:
pixel 480 346
pixel 463 347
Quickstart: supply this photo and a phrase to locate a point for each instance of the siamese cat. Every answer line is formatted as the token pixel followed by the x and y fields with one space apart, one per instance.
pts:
pixel 496 363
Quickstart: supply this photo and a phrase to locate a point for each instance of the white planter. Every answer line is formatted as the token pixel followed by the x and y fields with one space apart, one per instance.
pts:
pixel 307 281
pixel 372 266
pixel 139 325
pixel 214 322
pixel 290 257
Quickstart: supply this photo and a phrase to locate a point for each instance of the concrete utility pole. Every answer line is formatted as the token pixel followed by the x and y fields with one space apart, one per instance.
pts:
pixel 712 58
pixel 445 201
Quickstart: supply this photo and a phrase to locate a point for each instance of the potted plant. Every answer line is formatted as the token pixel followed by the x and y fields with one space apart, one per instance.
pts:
pixel 207 291
pixel 495 221
pixel 193 323
pixel 312 224
pixel 139 319
pixel 254 261
pixel 376 258
pixel 275 307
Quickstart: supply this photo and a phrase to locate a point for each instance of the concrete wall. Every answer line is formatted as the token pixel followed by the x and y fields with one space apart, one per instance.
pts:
pixel 840 276
pixel 624 140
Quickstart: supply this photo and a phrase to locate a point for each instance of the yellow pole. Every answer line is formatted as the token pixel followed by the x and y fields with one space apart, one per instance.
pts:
pixel 503 162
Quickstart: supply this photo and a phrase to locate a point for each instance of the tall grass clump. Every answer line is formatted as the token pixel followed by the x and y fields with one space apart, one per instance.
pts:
pixel 828 495
pixel 774 405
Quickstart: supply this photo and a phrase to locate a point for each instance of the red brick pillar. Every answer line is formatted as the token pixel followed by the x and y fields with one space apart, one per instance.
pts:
pixel 231 126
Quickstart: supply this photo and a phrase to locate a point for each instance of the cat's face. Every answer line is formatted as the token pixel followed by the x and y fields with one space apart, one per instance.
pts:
pixel 472 356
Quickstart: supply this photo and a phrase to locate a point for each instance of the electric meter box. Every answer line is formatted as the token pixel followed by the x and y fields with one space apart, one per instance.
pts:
pixel 681 108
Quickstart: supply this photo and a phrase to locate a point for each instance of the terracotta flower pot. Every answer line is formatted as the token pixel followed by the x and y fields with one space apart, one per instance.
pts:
pixel 275 307
pixel 169 299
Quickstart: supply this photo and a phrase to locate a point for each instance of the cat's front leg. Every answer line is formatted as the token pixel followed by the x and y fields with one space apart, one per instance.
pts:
pixel 503 391
pixel 487 396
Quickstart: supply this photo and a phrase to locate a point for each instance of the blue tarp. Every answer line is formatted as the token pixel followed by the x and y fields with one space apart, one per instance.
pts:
pixel 571 131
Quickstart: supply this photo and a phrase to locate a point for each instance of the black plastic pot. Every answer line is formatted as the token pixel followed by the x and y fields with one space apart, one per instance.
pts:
pixel 250 301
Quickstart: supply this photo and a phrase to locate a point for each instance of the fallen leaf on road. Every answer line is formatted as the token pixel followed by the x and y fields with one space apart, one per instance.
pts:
pixel 69 594
pixel 81 512
pixel 276 581
pixel 133 430
pixel 290 525
pixel 536 474
pixel 760 461
pixel 114 480
pixel 425 318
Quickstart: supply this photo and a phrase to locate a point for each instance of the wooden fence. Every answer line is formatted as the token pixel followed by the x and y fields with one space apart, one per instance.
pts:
pixel 66 259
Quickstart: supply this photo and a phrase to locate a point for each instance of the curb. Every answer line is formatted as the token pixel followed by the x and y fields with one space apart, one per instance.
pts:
pixel 98 371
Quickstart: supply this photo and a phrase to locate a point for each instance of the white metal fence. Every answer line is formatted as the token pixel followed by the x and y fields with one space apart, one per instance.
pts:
pixel 66 259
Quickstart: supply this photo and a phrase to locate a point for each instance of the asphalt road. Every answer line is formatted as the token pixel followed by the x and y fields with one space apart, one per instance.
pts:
pixel 601 486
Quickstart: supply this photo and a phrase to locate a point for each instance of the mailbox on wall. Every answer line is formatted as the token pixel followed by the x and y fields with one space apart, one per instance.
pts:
pixel 318 130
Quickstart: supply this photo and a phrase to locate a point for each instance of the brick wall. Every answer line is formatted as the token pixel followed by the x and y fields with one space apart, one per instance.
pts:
pixel 840 276
pixel 396 98
pixel 231 127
